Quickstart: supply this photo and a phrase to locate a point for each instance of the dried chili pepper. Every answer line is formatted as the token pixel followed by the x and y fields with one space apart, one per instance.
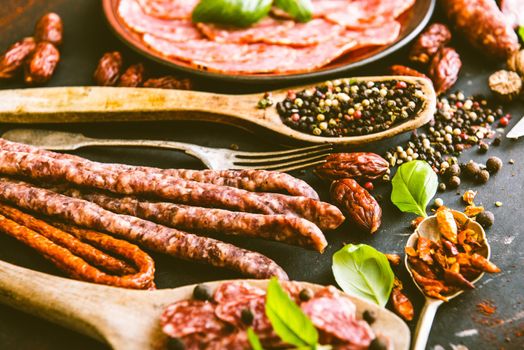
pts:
pixel 404 70
pixel 402 304
pixel 446 224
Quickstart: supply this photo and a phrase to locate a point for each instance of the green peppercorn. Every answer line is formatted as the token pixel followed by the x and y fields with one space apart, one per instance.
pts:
pixel 486 219
pixel 454 182
pixel 494 164
pixel 369 316
pixel 483 176
pixel 247 317
pixel 305 294
pixel 202 292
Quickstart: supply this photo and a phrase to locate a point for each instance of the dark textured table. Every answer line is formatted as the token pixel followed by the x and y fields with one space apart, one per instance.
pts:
pixel 458 322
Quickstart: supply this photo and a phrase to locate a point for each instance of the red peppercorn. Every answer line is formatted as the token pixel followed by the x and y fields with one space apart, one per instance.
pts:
pixel 357 114
pixel 369 186
pixel 401 85
pixel 504 121
pixel 459 104
pixel 291 95
pixel 295 117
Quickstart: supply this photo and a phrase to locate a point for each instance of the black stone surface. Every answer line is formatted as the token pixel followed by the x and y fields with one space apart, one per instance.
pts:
pixel 87 37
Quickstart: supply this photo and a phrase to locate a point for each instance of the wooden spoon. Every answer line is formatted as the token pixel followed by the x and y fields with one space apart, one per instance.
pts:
pixel 130 319
pixel 429 229
pixel 107 104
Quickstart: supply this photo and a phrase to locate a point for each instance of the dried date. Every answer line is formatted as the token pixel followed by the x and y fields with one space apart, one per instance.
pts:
pixel 49 28
pixel 358 203
pixel 169 82
pixel 444 69
pixel 40 67
pixel 15 56
pixel 360 166
pixel 108 70
pixel 398 69
pixel 133 76
pixel 429 43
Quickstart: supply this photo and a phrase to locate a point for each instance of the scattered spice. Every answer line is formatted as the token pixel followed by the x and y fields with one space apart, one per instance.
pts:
pixel 265 101
pixel 472 210
pixel 454 182
pixel 348 108
pixel 506 85
pixel 416 222
pixel 511 161
pixel 493 164
pixel 394 259
pixel 486 219
pixel 498 204
pixel 469 196
pixel 483 176
pixel 439 202
pixel 486 307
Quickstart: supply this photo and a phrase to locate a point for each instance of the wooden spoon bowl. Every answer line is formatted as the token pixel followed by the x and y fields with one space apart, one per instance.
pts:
pixel 107 104
pixel 130 319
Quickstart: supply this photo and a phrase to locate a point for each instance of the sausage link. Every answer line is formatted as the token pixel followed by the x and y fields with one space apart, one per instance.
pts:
pixel 92 255
pixel 93 174
pixel 250 180
pixel 71 264
pixel 275 227
pixel 148 234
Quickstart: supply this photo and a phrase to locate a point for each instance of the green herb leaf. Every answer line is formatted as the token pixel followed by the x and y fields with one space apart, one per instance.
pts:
pixel 363 271
pixel 521 33
pixel 287 319
pixel 414 184
pixel 254 341
pixel 241 13
pixel 301 10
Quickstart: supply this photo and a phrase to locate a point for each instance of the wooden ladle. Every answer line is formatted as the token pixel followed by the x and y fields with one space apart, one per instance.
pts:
pixel 429 229
pixel 107 104
pixel 130 319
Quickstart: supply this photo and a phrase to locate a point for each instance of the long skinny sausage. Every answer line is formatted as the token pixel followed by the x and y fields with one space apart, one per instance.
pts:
pixel 282 228
pixel 68 262
pixel 250 180
pixel 93 174
pixel 150 235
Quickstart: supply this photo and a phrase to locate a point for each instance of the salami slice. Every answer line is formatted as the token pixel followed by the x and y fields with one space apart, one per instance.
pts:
pixel 234 341
pixel 174 30
pixel 234 291
pixel 169 9
pixel 275 31
pixel 190 316
pixel 155 237
pixel 513 10
pixel 281 228
pixel 334 316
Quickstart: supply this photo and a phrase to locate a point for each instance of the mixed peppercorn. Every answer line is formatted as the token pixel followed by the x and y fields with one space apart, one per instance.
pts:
pixel 459 123
pixel 350 108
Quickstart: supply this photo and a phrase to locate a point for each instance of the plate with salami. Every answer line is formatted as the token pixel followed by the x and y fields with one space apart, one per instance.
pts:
pixel 341 35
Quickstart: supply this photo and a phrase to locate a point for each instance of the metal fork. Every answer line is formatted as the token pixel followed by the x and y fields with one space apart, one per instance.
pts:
pixel 213 158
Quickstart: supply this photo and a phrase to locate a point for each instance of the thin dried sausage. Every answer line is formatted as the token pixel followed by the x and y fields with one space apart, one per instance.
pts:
pixel 282 228
pixel 150 235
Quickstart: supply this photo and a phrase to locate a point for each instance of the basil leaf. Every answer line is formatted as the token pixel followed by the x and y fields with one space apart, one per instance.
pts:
pixel 287 319
pixel 414 184
pixel 521 33
pixel 254 341
pixel 301 10
pixel 363 271
pixel 241 13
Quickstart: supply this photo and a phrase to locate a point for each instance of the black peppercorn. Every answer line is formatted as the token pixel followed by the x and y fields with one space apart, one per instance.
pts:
pixel 175 344
pixel 369 316
pixel 442 187
pixel 486 219
pixel 305 294
pixel 247 316
pixel 494 164
pixel 454 182
pixel 471 169
pixel 202 292
pixel 378 344
pixel 483 147
pixel 483 176
pixel 452 170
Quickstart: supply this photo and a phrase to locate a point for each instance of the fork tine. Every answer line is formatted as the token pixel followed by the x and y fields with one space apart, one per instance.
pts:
pixel 301 166
pixel 284 165
pixel 282 159
pixel 326 146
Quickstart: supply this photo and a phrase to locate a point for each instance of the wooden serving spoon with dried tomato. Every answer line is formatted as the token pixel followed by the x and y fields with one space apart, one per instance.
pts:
pixel 447 254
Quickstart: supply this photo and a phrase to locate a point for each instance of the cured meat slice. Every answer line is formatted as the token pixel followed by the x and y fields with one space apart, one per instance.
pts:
pixel 234 341
pixel 275 31
pixel 234 291
pixel 231 312
pixel 187 317
pixel 361 13
pixel 169 9
pixel 334 316
pixel 266 58
pixel 174 30
pixel 513 10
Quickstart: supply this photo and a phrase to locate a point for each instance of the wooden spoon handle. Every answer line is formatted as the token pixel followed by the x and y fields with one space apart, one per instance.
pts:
pixel 108 104
pixel 427 315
